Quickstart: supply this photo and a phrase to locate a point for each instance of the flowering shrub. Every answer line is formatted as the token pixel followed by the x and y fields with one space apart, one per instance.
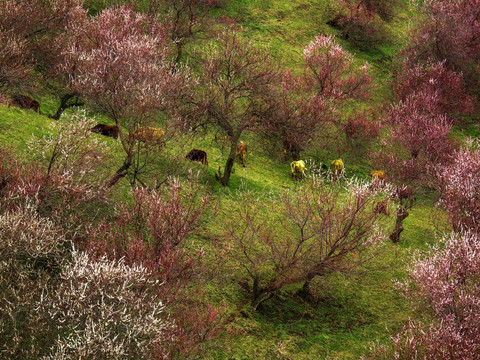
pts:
pixel 105 309
pixel 360 24
pixel 331 71
pixel 58 303
pixel 26 26
pixel 434 78
pixel 64 179
pixel 73 152
pixel 418 141
pixel 360 130
pixel 310 233
pixel 31 249
pixel 445 283
pixel 299 106
pixel 156 231
pixel 459 185
pixel 449 33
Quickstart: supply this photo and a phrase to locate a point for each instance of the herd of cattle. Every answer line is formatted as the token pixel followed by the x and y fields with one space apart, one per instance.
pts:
pixel 151 135
pixel 155 136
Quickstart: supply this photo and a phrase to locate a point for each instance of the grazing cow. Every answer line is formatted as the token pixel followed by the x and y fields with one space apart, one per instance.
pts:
pixel 298 168
pixel 381 208
pixel 337 167
pixel 242 152
pixel 106 130
pixel 25 102
pixel 377 176
pixel 198 155
pixel 148 135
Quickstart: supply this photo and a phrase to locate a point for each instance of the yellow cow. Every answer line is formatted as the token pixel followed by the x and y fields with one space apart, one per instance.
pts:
pixel 298 167
pixel 242 152
pixel 337 166
pixel 377 175
pixel 148 135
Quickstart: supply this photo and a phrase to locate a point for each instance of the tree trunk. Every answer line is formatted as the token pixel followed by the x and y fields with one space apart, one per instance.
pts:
pixel 259 294
pixel 179 52
pixel 64 105
pixel 121 172
pixel 402 214
pixel 305 291
pixel 260 299
pixel 291 150
pixel 225 178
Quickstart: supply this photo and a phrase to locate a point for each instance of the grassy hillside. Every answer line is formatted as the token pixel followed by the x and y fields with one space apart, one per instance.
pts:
pixel 348 312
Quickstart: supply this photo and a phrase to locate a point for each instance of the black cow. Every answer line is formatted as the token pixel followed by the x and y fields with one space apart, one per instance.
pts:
pixel 106 130
pixel 198 155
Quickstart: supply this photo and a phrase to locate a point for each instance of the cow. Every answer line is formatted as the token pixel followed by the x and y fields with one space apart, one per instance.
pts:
pixel 337 167
pixel 25 102
pixel 148 135
pixel 242 152
pixel 378 176
pixel 106 130
pixel 298 168
pixel 197 155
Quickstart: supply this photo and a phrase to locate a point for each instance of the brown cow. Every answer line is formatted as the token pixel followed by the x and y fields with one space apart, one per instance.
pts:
pixel 25 102
pixel 106 130
pixel 242 152
pixel 198 155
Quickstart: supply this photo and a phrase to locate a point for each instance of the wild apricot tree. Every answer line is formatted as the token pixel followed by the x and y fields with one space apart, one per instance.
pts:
pixel 155 231
pixel 449 33
pixel 121 70
pixel 459 186
pixel 444 287
pixel 27 29
pixel 301 105
pixel 184 19
pixel 312 232
pixel 235 75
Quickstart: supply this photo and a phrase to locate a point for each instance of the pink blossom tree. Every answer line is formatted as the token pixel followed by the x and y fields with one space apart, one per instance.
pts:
pixel 459 185
pixel 236 75
pixel 450 33
pixel 445 287
pixel 417 143
pixel 362 21
pixel 361 129
pixel 121 70
pixel 305 234
pixel 58 302
pixel 434 78
pixel 332 72
pixel 14 65
pixel 301 105
pixel 27 30
pixel 185 19
pixel 155 231
pixel 294 115
pixel 63 175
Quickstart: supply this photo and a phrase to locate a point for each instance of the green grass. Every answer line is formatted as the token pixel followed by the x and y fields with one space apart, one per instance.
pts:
pixel 17 126
pixel 349 312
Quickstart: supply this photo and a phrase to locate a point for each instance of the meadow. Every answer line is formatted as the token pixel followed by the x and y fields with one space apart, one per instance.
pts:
pixel 229 254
